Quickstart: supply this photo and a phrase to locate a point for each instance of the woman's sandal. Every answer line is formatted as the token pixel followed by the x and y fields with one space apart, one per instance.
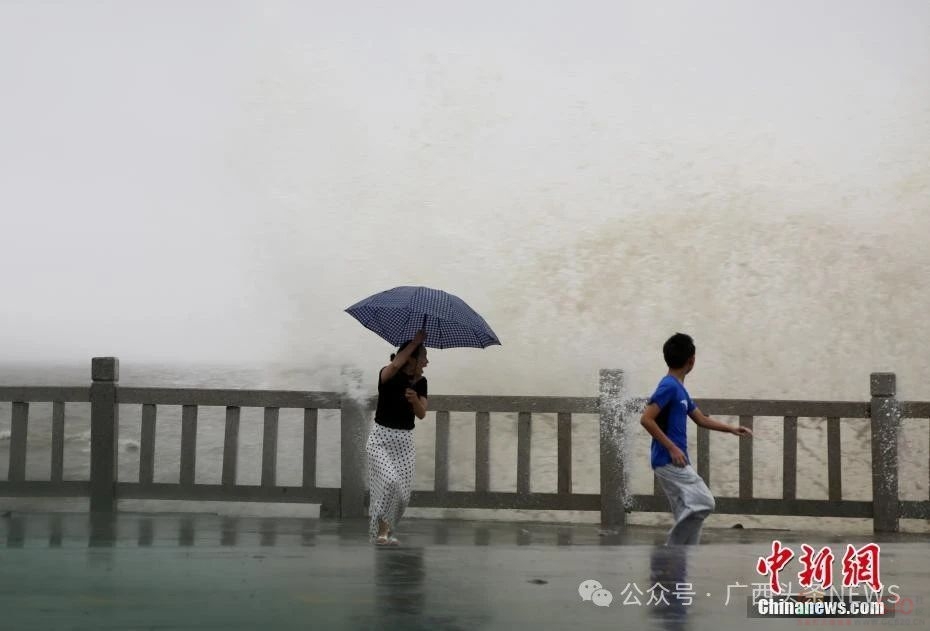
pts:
pixel 385 540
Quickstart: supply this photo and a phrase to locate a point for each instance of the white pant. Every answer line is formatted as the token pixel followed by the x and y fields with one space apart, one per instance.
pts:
pixel 690 500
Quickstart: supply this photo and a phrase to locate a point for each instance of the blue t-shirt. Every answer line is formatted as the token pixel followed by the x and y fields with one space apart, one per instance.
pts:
pixel 675 404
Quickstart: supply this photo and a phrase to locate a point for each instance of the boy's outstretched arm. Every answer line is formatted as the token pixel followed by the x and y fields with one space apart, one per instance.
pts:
pixel 648 421
pixel 705 421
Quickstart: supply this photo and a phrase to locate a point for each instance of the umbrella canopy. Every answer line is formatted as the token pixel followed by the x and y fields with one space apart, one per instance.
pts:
pixel 397 314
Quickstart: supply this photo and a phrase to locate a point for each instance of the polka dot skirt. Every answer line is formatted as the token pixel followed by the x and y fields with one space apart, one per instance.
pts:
pixel 391 460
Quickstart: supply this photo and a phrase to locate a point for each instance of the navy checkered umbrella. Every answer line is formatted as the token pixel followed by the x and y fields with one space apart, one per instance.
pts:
pixel 397 314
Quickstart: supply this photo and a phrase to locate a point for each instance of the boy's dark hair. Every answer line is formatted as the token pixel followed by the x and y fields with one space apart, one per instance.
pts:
pixel 677 350
pixel 414 355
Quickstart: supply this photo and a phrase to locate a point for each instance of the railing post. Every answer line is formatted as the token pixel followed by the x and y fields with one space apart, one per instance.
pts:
pixel 886 419
pixel 354 434
pixel 613 439
pixel 104 433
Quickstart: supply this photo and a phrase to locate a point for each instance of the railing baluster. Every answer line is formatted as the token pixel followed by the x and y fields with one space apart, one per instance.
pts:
pixel 745 461
pixel 790 459
pixel 270 448
pixel 703 453
pixel 18 430
pixel 147 444
pixel 188 444
pixel 482 452
pixel 231 446
pixel 441 465
pixel 310 419
pixel 834 460
pixel 58 441
pixel 565 453
pixel 524 433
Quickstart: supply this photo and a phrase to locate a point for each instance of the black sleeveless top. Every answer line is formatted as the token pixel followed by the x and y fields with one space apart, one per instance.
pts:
pixel 393 409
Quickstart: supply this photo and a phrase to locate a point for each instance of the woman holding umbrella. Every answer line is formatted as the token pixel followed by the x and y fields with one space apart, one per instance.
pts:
pixel 414 317
pixel 402 395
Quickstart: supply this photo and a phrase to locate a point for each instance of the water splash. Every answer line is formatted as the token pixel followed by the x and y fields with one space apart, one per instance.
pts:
pixel 614 433
pixel 632 409
pixel 353 386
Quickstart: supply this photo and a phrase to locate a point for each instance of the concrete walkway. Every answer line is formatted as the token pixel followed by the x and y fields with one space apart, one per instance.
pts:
pixel 69 571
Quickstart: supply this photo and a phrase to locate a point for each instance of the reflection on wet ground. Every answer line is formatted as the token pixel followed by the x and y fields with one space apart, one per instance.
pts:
pixel 77 571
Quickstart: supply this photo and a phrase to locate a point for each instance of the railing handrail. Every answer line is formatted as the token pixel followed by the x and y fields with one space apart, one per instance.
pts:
pixel 513 404
pixel 44 394
pixel 914 409
pixel 784 407
pixel 229 397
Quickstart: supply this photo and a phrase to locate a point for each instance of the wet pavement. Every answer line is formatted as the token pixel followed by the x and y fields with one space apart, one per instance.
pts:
pixel 163 571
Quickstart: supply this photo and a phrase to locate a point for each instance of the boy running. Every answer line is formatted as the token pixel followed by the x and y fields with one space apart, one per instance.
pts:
pixel 665 418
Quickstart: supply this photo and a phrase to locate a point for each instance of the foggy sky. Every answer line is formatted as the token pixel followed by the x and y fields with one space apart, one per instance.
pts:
pixel 217 181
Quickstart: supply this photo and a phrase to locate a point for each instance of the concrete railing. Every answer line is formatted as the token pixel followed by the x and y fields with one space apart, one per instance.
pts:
pixel 616 414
